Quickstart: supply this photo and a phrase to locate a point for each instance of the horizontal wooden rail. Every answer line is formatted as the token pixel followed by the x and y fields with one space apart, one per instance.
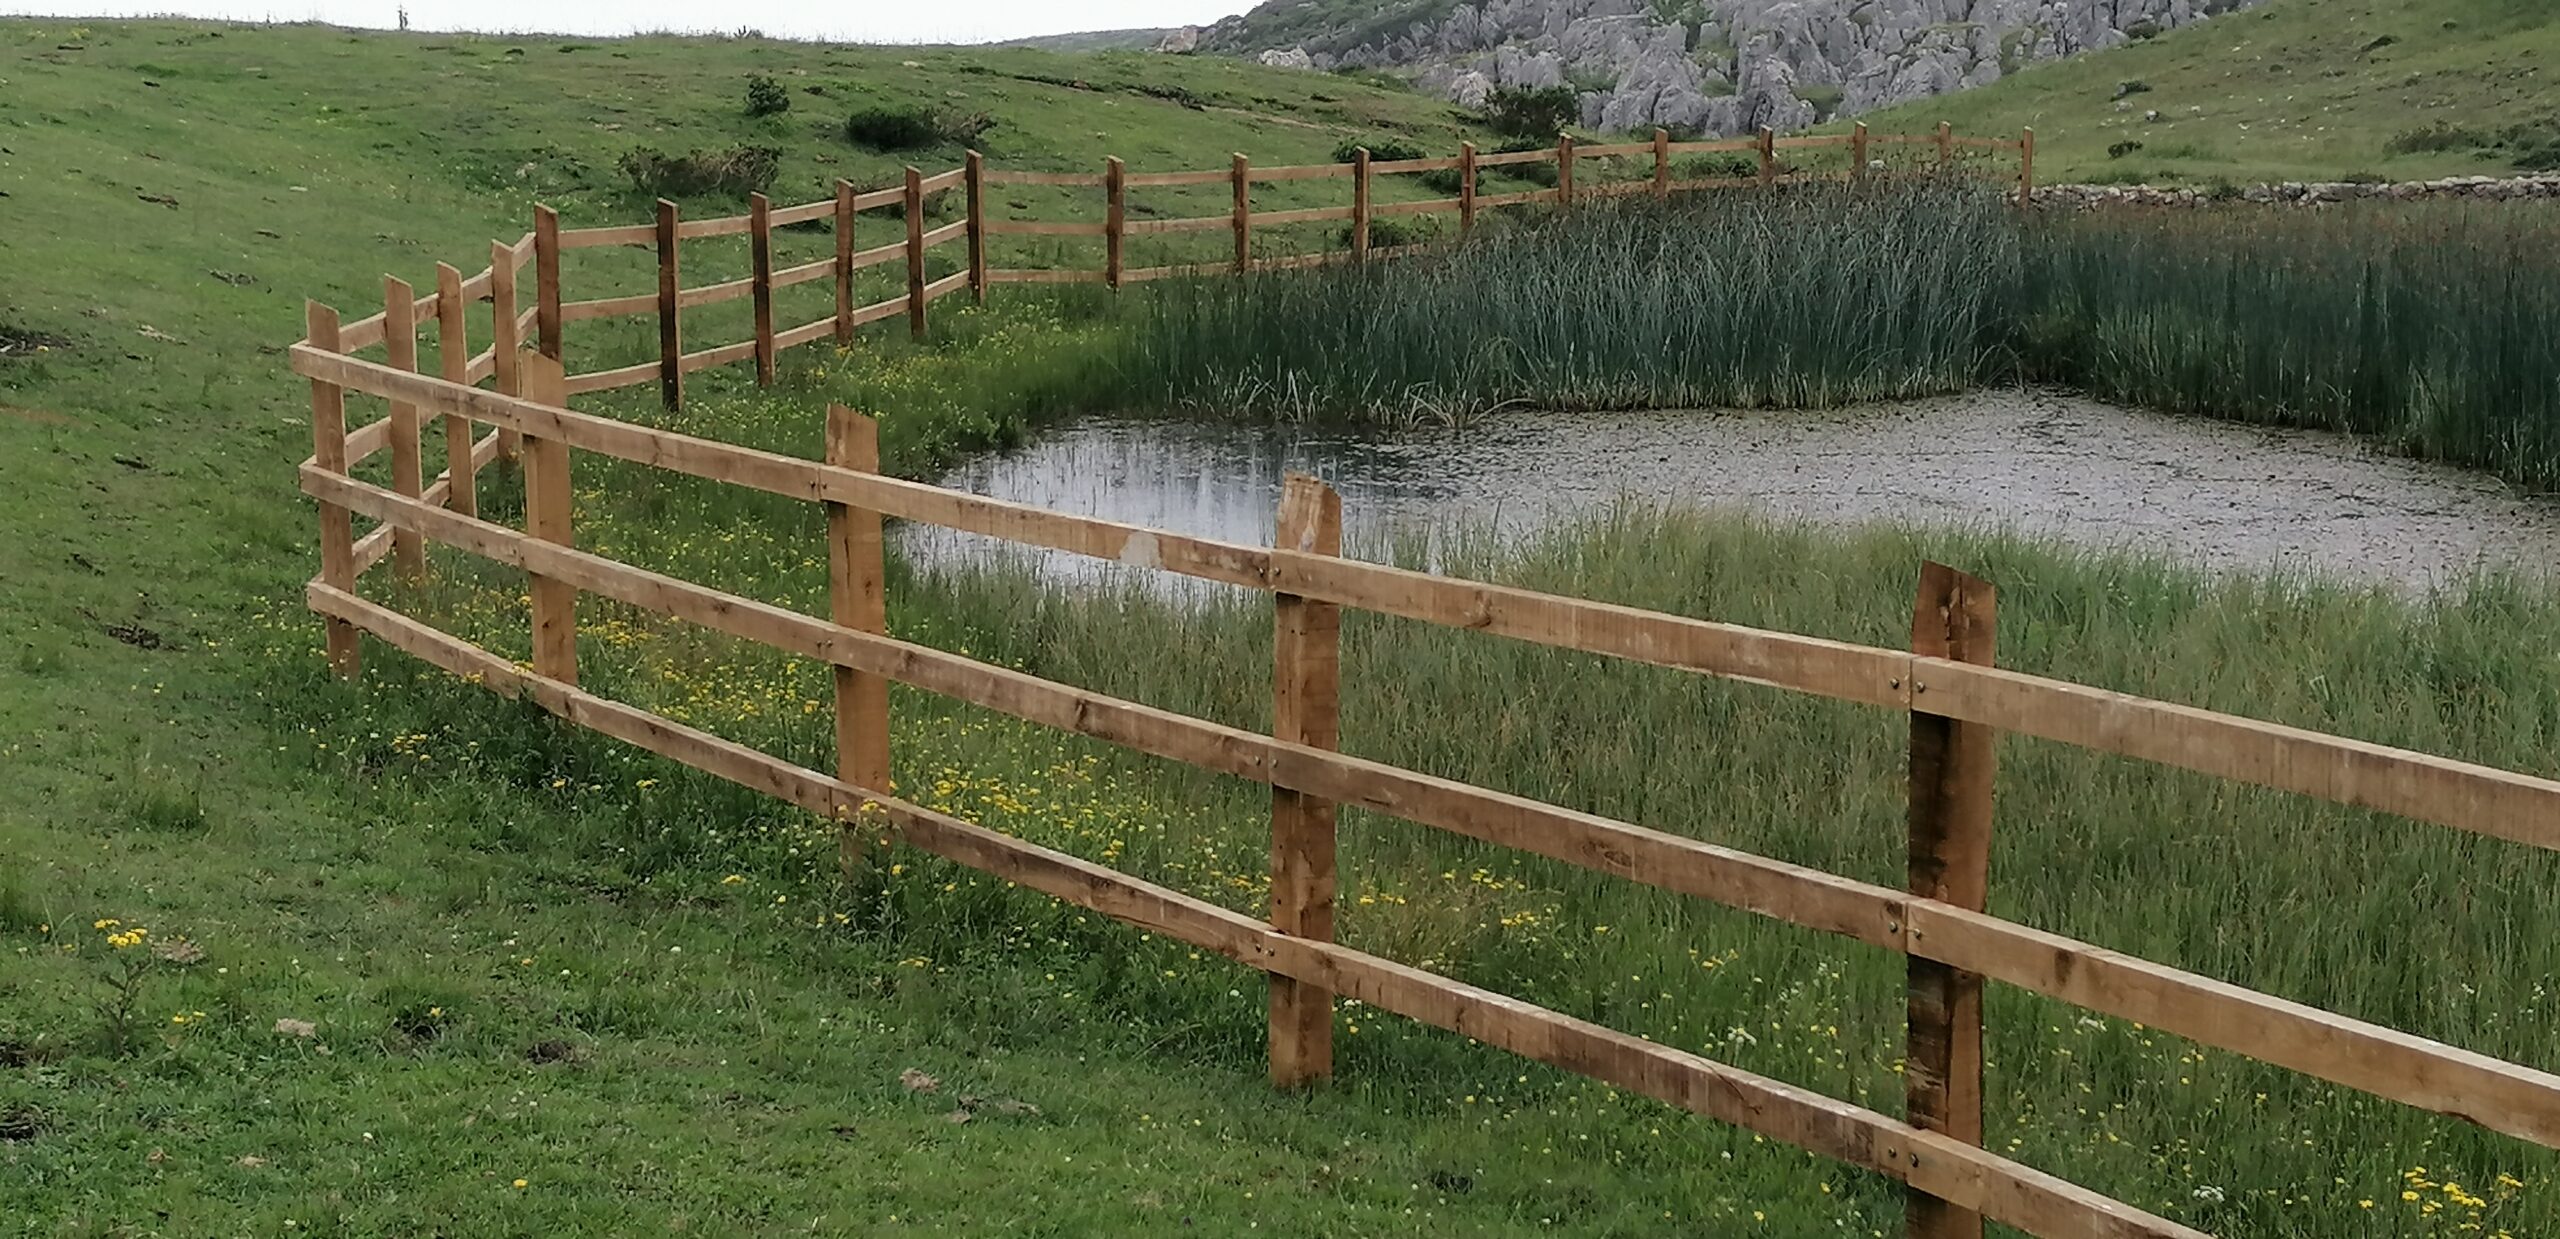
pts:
pixel 895 251
pixel 1939 1165
pixel 1714 146
pixel 1194 223
pixel 2521 807
pixel 1138 275
pixel 1303 215
pixel 1300 172
pixel 1043 275
pixel 607 380
pixel 1484 201
pixel 713 294
pixel 1382 166
pixel 878 310
pixel 804 273
pixel 709 357
pixel 1500 159
pixel 1426 207
pixel 952 283
pixel 946 234
pixel 1043 228
pixel 722 226
pixel 376 544
pixel 805 333
pixel 805 213
pixel 642 235
pixel 877 198
pixel 608 307
pixel 2514 1099
pixel 1003 176
pixel 1218 176
pixel 1614 148
pixel 940 181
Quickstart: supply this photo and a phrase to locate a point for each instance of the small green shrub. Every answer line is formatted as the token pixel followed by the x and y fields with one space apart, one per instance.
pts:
pixel 1445 182
pixel 1380 149
pixel 1526 112
pixel 765 96
pixel 2132 86
pixel 1388 234
pixel 1714 167
pixel 2122 149
pixel 2438 136
pixel 1543 174
pixel 912 128
pixel 735 171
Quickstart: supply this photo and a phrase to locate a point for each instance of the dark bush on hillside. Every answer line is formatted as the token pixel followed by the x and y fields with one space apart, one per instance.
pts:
pixel 735 171
pixel 1442 181
pixel 1386 234
pixel 2440 136
pixel 2121 149
pixel 893 129
pixel 914 128
pixel 1714 167
pixel 765 96
pixel 2132 86
pixel 1541 174
pixel 1523 112
pixel 1379 149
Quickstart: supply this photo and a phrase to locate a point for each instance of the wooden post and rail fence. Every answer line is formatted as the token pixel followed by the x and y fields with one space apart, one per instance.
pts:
pixel 911 247
pixel 1957 701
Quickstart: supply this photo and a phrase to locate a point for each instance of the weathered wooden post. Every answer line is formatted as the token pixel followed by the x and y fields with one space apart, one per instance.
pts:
pixel 1305 709
pixel 1564 171
pixel 547 500
pixel 915 253
pixel 1242 171
pixel 2026 166
pixel 844 264
pixel 337 529
pixel 1768 157
pixel 857 597
pixel 1360 204
pixel 1115 218
pixel 453 358
pixel 976 179
pixel 1946 143
pixel 1952 764
pixel 408 468
pixel 670 309
pixel 505 344
pixel 760 281
pixel 1858 152
pixel 546 281
pixel 1466 188
pixel 1661 163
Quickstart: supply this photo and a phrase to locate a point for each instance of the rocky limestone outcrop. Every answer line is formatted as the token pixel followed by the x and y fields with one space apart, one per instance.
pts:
pixel 1721 66
pixel 2303 193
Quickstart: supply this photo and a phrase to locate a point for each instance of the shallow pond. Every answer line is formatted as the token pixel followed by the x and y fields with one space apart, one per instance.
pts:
pixel 2216 494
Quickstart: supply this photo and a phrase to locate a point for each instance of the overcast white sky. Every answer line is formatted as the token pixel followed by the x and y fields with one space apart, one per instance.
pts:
pixel 870 21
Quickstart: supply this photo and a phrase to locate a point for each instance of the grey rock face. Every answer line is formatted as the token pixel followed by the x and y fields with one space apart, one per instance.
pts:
pixel 1736 64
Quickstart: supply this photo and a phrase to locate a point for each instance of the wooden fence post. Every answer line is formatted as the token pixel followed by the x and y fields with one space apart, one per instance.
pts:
pixel 1564 170
pixel 505 358
pixel 915 252
pixel 2026 166
pixel 1242 170
pixel 760 278
pixel 400 344
pixel 1858 152
pixel 453 357
pixel 857 597
pixel 1466 188
pixel 546 280
pixel 546 516
pixel 844 264
pixel 1952 765
pixel 1661 163
pixel 1946 143
pixel 670 309
pixel 337 530
pixel 1115 217
pixel 1768 157
pixel 1360 204
pixel 977 182
pixel 1305 709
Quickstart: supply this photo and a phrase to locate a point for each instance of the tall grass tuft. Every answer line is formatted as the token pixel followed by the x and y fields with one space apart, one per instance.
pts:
pixel 2429 326
pixel 1811 296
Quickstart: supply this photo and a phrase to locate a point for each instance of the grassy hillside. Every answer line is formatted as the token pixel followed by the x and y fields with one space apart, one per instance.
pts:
pixel 2291 90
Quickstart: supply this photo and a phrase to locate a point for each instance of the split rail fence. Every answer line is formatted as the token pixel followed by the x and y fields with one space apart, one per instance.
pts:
pixel 912 241
pixel 1956 700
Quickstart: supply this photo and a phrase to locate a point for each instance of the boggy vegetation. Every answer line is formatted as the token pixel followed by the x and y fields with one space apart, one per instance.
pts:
pixel 2424 325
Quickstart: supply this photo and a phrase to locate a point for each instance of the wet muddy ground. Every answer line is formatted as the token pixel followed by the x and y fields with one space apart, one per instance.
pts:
pixel 2223 496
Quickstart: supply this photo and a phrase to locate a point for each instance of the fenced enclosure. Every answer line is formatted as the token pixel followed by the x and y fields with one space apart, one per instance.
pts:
pixel 1956 698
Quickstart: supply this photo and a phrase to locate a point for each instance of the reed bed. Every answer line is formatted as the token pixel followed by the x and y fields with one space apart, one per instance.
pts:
pixel 2428 326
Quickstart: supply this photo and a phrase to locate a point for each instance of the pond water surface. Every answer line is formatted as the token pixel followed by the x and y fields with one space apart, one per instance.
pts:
pixel 2223 496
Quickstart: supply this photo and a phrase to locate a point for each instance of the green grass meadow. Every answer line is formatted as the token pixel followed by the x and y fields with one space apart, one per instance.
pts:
pixel 451 967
